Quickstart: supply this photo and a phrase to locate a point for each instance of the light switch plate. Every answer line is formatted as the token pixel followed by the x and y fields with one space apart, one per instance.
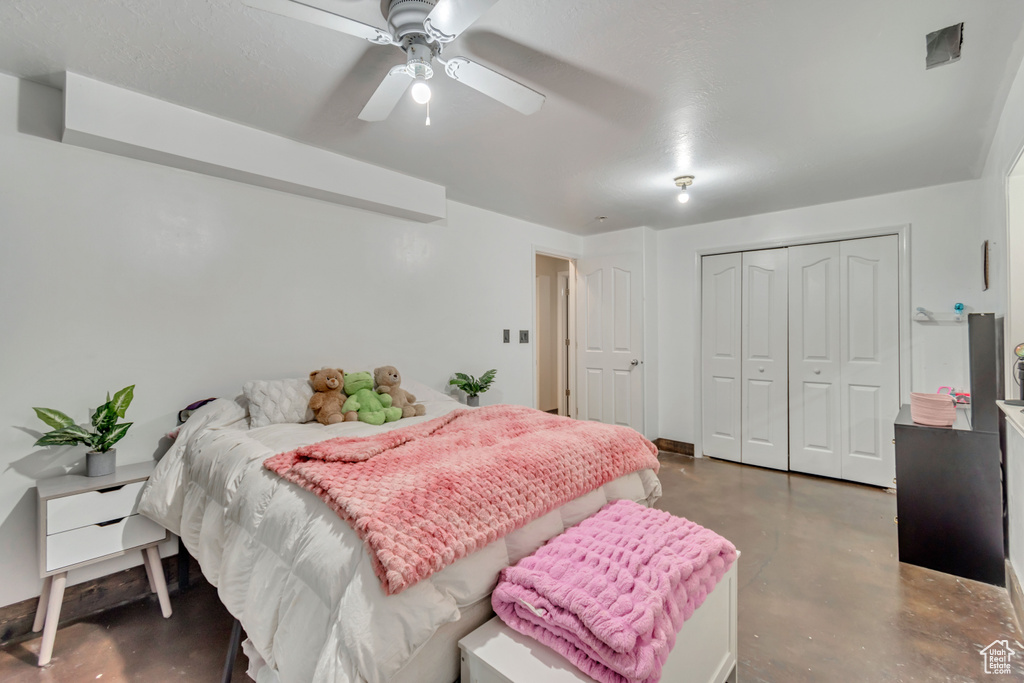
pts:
pixel 524 336
pixel 506 336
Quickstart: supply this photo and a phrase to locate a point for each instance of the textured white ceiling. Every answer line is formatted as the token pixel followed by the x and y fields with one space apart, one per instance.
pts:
pixel 771 105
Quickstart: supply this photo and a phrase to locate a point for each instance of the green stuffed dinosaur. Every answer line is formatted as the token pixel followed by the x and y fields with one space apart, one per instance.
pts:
pixel 372 408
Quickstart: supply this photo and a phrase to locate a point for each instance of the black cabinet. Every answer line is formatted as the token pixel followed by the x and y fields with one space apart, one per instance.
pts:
pixel 949 498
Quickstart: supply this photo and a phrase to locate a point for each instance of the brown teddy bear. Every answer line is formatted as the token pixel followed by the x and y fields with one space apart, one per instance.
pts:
pixel 389 381
pixel 327 401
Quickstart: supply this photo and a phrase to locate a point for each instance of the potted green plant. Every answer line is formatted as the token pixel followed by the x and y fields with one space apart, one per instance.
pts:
pixel 102 457
pixel 473 386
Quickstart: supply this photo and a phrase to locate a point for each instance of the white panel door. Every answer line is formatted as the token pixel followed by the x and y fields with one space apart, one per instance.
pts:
pixel 814 360
pixel 610 332
pixel 720 355
pixel 870 352
pixel 765 375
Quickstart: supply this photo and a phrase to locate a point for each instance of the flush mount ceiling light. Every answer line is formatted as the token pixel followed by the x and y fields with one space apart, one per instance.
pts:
pixel 683 182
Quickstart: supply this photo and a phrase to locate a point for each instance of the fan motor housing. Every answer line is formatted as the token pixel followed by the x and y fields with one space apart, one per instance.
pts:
pixel 405 17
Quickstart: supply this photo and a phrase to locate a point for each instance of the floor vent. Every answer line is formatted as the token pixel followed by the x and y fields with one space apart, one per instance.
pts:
pixel 944 46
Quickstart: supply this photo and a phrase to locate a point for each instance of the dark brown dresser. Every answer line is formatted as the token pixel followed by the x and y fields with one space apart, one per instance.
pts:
pixel 949 498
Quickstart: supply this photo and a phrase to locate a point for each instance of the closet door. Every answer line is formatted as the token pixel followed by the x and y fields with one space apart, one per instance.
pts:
pixel 720 355
pixel 870 351
pixel 814 360
pixel 765 415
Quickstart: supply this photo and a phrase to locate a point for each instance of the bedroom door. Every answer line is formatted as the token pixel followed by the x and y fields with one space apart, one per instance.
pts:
pixel 720 351
pixel 765 392
pixel 870 352
pixel 609 308
pixel 814 362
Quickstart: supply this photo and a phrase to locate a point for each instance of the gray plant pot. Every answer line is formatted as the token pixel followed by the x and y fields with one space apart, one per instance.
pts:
pixel 100 464
pixel 473 401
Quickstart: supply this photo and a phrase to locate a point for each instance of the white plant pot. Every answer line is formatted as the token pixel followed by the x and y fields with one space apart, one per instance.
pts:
pixel 100 464
pixel 473 401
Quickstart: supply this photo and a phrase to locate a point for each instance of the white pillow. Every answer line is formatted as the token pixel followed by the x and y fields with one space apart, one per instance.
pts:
pixel 422 392
pixel 278 401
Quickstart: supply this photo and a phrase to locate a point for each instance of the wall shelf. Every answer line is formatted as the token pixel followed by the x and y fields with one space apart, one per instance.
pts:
pixel 923 315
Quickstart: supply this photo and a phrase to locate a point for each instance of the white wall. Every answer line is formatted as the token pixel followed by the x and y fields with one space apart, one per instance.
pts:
pixel 1002 195
pixel 1006 212
pixel 115 271
pixel 945 267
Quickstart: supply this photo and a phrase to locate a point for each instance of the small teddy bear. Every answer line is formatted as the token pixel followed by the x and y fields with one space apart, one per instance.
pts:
pixel 389 381
pixel 328 398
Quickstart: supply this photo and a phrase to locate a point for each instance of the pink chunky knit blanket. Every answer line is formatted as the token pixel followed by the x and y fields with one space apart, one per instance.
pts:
pixel 611 593
pixel 425 496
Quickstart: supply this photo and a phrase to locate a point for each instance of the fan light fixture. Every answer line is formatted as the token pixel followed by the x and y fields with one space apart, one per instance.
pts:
pixel 421 92
pixel 683 182
pixel 421 29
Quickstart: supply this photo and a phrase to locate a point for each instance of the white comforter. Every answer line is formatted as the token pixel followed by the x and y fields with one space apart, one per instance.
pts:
pixel 295 574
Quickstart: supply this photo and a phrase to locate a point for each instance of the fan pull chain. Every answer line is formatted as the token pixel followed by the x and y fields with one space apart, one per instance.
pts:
pixel 428 113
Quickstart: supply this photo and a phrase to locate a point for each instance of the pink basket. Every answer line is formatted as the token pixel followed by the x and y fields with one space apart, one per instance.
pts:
pixel 934 410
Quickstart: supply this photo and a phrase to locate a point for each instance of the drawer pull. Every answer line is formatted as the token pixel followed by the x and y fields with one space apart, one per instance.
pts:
pixel 110 489
pixel 113 521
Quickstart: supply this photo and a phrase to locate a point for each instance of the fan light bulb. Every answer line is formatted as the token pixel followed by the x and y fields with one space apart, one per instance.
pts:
pixel 421 92
pixel 684 196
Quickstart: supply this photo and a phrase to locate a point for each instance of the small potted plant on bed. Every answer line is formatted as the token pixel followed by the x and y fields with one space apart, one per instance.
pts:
pixel 102 458
pixel 473 386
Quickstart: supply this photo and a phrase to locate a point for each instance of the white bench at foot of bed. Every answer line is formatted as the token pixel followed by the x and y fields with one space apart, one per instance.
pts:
pixel 705 650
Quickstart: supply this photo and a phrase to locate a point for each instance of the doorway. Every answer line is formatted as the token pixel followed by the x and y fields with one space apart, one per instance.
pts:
pixel 553 363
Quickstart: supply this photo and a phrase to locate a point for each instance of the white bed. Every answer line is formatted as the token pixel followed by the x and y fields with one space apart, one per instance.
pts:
pixel 298 577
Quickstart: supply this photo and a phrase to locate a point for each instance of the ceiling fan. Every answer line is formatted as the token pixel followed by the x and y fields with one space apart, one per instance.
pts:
pixel 421 28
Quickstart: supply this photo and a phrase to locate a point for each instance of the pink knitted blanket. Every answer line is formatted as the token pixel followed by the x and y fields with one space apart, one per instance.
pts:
pixel 425 496
pixel 611 593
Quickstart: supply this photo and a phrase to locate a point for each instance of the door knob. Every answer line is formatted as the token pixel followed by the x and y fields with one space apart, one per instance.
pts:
pixel 634 362
pixel 817 371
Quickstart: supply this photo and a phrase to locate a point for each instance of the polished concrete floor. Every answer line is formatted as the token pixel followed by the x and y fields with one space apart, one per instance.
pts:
pixel 134 644
pixel 822 596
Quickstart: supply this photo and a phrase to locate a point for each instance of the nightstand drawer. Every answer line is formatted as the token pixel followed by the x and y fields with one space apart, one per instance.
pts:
pixel 91 542
pixel 93 507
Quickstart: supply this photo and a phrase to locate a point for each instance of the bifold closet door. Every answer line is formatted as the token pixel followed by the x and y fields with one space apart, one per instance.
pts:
pixel 814 360
pixel 720 355
pixel 870 352
pixel 765 375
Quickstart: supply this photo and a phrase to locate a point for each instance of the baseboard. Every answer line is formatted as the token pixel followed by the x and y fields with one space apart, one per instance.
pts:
pixel 1016 595
pixel 85 599
pixel 670 446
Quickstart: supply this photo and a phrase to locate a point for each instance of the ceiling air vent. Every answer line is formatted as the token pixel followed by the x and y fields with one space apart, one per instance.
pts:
pixel 944 46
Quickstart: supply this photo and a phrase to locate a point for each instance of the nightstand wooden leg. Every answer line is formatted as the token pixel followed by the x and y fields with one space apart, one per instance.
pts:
pixel 44 598
pixel 56 597
pixel 149 572
pixel 155 569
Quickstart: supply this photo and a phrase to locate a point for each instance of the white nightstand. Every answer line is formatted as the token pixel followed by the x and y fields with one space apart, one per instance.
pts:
pixel 83 520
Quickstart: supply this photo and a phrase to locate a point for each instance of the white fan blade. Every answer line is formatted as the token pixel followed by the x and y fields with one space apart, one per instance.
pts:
pixel 386 97
pixel 315 15
pixel 449 18
pixel 491 83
